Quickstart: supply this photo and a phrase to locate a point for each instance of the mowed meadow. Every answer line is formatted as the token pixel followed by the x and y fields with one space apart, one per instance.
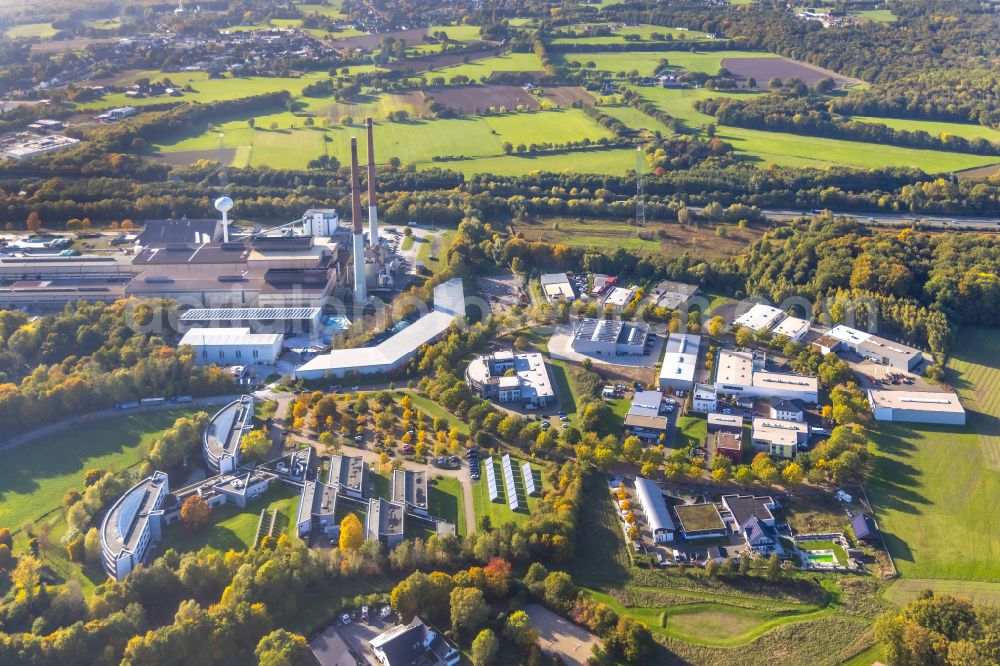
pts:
pixel 935 488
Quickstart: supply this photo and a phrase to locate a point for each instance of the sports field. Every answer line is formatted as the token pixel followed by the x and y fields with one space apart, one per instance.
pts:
pixel 935 493
pixel 34 477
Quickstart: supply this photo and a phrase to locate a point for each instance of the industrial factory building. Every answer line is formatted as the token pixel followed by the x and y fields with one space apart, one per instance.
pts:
pixel 609 337
pixel 743 374
pixel 917 407
pixel 880 350
pixel 202 263
pixel 680 362
pixel 289 321
pixel 392 353
pixel 233 346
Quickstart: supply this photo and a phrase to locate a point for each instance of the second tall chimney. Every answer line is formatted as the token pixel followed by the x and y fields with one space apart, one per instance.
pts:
pixel 372 207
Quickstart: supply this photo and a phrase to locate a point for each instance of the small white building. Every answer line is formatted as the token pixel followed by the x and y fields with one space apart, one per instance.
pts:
pixel 779 438
pixel 788 410
pixel 760 317
pixel 917 407
pixel 742 374
pixel 792 328
pixel 233 346
pixel 879 350
pixel 557 287
pixel 705 399
pixel 680 362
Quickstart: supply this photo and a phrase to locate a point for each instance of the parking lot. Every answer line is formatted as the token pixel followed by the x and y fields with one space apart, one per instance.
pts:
pixel 501 290
pixel 328 646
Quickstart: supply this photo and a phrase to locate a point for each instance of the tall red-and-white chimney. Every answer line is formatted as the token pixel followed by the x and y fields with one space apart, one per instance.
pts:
pixel 358 240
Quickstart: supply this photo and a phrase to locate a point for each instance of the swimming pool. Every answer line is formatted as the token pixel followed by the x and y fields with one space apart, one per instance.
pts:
pixel 338 322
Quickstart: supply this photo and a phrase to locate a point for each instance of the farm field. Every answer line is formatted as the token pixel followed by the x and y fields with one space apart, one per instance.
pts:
pixel 905 590
pixel 332 10
pixel 764 69
pixel 498 511
pixel 935 128
pixel 104 24
pixel 28 30
pixel 646 63
pixel 786 149
pixel 34 477
pixel 935 487
pixel 457 33
pixel 206 90
pixel 233 528
pixel 477 69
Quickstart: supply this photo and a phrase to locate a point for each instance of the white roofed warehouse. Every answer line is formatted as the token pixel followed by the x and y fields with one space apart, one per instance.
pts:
pixel 654 507
pixel 917 407
pixel 680 362
pixel 233 346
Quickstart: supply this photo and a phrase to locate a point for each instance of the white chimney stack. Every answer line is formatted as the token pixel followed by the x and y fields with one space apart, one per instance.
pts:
pixel 372 208
pixel 360 288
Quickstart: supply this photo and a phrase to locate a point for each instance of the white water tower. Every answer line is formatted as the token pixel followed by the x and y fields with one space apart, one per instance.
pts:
pixel 224 205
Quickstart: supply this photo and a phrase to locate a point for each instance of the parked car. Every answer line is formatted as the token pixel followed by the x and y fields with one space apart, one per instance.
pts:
pixel 364 613
pixel 346 618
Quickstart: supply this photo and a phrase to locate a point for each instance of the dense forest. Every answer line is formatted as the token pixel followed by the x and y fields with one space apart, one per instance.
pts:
pixel 92 356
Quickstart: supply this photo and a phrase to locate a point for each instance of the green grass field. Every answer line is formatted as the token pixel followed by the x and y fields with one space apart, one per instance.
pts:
pixel 28 30
pixel 879 15
pixel 206 90
pixel 34 477
pixel 233 528
pixel 104 24
pixel 905 590
pixel 332 10
pixel 612 162
pixel 933 487
pixel 445 500
pixel 499 512
pixel 935 128
pixel 434 410
pixel 457 33
pixel 786 149
pixel 646 63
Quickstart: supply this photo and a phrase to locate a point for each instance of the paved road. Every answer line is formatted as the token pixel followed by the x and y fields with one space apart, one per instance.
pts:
pixel 882 218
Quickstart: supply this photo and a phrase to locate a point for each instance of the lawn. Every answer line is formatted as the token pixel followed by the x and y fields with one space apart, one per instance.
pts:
pixel 935 488
pixel 35 476
pixel 457 33
pixel 691 431
pixel 433 252
pixel 601 553
pixel 613 162
pixel 29 30
pixel 445 501
pixel 499 512
pixel 234 528
pixel 434 410
pixel 332 10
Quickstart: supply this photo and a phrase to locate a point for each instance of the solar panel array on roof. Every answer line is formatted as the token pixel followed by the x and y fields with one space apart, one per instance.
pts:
pixel 529 479
pixel 508 480
pixel 491 480
pixel 213 314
